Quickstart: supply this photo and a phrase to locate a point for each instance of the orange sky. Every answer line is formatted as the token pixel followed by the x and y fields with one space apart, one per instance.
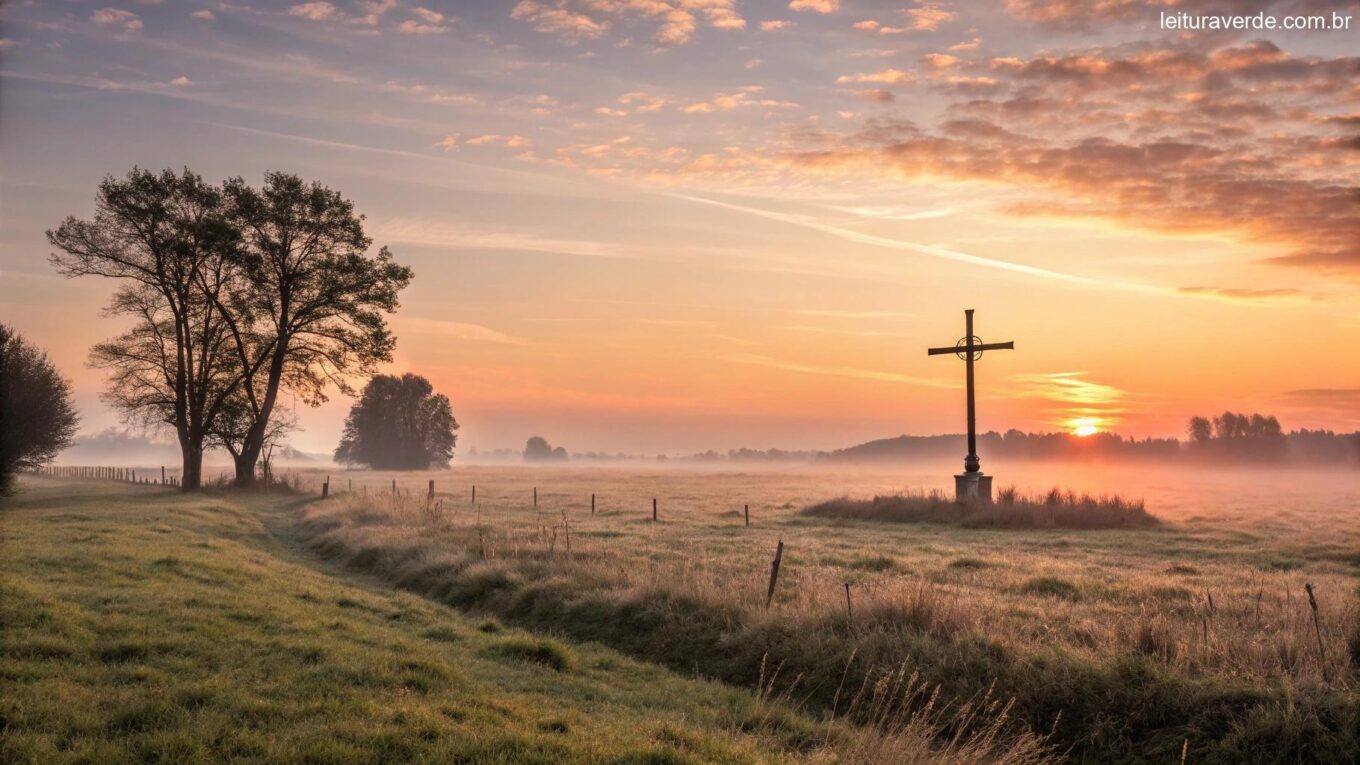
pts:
pixel 742 223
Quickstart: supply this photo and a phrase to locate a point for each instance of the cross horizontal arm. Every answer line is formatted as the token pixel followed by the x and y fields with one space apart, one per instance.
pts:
pixel 1009 346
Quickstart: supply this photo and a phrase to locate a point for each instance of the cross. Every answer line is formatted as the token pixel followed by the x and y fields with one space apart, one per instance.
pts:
pixel 970 349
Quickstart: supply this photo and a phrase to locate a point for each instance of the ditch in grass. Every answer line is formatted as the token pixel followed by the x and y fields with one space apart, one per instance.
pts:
pixel 1054 510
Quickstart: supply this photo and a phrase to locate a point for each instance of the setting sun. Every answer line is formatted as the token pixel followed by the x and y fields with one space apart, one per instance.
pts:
pixel 1084 427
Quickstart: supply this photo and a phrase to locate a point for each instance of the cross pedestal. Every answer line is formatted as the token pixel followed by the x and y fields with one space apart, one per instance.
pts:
pixel 972 488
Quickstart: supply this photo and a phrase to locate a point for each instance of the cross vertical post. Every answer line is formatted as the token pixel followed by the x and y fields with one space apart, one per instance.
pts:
pixel 971 463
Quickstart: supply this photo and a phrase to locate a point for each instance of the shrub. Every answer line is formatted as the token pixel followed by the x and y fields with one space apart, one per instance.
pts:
pixel 1054 510
pixel 545 651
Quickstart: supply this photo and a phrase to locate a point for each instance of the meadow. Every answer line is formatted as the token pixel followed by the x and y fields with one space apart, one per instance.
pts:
pixel 143 625
pixel 1193 637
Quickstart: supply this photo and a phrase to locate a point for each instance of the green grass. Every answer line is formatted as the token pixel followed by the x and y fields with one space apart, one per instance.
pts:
pixel 139 625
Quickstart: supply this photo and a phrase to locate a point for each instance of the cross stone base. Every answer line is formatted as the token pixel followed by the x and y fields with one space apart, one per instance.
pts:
pixel 973 487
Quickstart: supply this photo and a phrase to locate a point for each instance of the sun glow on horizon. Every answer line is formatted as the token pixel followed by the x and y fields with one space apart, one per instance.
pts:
pixel 1084 426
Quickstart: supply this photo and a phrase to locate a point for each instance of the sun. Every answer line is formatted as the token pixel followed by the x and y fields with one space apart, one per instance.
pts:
pixel 1085 426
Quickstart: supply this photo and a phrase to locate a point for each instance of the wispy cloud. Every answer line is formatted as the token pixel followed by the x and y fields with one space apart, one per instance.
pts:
pixel 1067 387
pixel 1247 295
pixel 440 233
pixel 929 250
pixel 838 371
pixel 854 314
pixel 453 329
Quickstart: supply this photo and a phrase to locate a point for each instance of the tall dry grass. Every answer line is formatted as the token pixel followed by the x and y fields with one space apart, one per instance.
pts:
pixel 1055 509
pixel 1113 664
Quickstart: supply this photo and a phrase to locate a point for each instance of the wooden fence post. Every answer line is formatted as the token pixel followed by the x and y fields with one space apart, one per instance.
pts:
pixel 774 572
pixel 748 514
pixel 431 494
pixel 592 504
pixel 653 509
pixel 474 494
pixel 535 497
pixel 162 475
pixel 849 612
pixel 326 488
pixel 1322 652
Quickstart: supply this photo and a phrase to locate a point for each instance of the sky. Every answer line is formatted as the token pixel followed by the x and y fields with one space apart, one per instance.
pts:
pixel 673 225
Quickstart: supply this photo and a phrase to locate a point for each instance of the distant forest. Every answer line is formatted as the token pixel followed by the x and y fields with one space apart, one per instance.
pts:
pixel 1229 437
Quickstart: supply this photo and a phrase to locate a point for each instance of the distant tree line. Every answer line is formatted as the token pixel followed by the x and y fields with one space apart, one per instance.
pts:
pixel 37 419
pixel 234 296
pixel 1228 437
pixel 1260 438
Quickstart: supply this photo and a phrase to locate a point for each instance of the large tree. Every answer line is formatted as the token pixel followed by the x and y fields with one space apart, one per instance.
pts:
pixel 167 239
pixel 311 313
pixel 399 423
pixel 37 419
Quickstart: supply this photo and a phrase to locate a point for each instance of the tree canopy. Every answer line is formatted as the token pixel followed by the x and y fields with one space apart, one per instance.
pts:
pixel 537 449
pixel 399 423
pixel 37 419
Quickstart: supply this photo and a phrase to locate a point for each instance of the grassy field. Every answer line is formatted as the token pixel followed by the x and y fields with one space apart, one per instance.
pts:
pixel 1131 644
pixel 141 625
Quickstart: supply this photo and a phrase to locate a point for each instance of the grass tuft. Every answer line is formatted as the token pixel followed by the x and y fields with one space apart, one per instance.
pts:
pixel 1052 587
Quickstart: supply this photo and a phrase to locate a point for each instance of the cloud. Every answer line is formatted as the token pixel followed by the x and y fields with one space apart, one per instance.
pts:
pixel 204 15
pixel 772 26
pixel 506 141
pixel 1068 388
pixel 933 251
pixel 884 77
pixel 448 143
pixel 1348 397
pixel 839 371
pixel 1233 140
pixel 316 11
pixel 815 6
pixel 747 96
pixel 677 20
pixel 834 314
pixel 1246 295
pixel 115 18
pixel 879 96
pixel 426 22
pixel 442 234
pixel 1082 14
pixel 928 17
pixel 181 81
pixel 452 329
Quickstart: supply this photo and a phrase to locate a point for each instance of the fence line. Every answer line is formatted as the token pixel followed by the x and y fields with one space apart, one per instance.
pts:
pixel 108 473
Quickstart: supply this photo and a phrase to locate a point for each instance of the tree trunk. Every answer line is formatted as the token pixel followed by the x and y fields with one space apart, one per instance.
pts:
pixel 245 467
pixel 192 453
pixel 253 444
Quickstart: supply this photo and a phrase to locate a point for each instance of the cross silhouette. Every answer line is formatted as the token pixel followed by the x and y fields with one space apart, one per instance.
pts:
pixel 970 349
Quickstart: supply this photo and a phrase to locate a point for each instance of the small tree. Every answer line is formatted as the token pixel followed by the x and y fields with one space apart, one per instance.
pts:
pixel 1201 431
pixel 537 449
pixel 399 423
pixel 37 419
